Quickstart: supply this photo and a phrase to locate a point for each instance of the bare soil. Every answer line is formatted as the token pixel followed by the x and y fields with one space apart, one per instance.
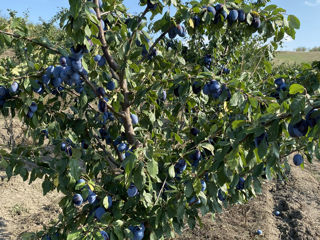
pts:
pixel 298 201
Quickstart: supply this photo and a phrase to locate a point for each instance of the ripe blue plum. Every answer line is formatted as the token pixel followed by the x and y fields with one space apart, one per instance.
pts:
pixel 259 139
pixel 256 22
pixel 14 88
pixel 104 235
pixel 102 62
pixel 99 212
pixel 298 129
pixel 33 107
pixel 241 15
pixel 212 10
pixel 312 117
pixel 221 195
pixel 56 82
pixel 194 131
pixel 172 32
pixel 92 197
pixel 279 81
pixel 122 147
pixel 233 16
pixel 132 191
pixel 297 159
pixel 111 85
pixel 240 185
pixel 77 199
pixel 97 58
pixel 101 91
pixel 180 166
pixel 134 119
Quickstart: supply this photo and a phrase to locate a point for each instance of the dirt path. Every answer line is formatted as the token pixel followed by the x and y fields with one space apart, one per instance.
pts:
pixel 23 208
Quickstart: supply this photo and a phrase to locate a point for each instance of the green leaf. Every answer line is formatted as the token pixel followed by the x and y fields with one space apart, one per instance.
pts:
pixel 47 186
pixel 172 173
pixel 74 235
pixel 293 22
pixel 106 202
pixel 188 189
pixel 177 138
pixel 207 146
pixel 74 168
pixel 75 6
pixel 296 88
pixel 238 123
pixel 152 168
pixel 237 99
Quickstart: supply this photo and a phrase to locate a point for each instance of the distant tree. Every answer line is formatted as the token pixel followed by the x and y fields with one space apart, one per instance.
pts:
pixel 301 49
pixel 315 49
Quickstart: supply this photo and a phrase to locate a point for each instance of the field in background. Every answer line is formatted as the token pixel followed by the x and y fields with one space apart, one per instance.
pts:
pixel 296 57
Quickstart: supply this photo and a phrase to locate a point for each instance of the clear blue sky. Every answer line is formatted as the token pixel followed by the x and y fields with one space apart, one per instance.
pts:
pixel 306 10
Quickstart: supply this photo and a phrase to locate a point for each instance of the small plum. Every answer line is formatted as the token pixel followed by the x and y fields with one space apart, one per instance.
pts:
pixel 132 191
pixel 241 15
pixel 297 159
pixel 134 119
pixel 101 91
pixel 194 131
pixel 104 235
pixel 122 147
pixel 111 85
pixel 233 16
pixel 77 199
pixel 256 22
pixel 92 197
pixel 240 185
pixel 14 88
pixel 99 213
pixel 33 107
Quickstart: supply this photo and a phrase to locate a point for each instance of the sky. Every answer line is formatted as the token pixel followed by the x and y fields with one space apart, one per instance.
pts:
pixel 306 10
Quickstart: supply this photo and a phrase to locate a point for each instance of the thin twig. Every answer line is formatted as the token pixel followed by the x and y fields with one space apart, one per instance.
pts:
pixel 153 45
pixel 110 158
pixel 35 41
pixel 161 190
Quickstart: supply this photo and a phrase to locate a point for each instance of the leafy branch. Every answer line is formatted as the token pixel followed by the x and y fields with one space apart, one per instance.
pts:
pixel 35 41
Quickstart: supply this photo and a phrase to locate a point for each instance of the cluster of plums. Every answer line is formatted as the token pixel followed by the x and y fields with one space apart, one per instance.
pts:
pixel 137 231
pixel 177 30
pixel 214 89
pixel 92 199
pixel 300 128
pixel 220 14
pixel 32 109
pixel 69 72
pixel 7 93
pixel 145 52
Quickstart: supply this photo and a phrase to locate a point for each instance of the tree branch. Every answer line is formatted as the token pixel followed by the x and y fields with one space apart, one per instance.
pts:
pixel 122 82
pixel 35 41
pixel 112 63
pixel 95 91
pixel 154 44
pixel 110 158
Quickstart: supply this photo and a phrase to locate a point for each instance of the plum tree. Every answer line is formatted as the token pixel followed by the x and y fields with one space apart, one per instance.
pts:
pixel 182 125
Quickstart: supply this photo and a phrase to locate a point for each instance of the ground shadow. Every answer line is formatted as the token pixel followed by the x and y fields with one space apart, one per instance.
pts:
pixel 4 235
